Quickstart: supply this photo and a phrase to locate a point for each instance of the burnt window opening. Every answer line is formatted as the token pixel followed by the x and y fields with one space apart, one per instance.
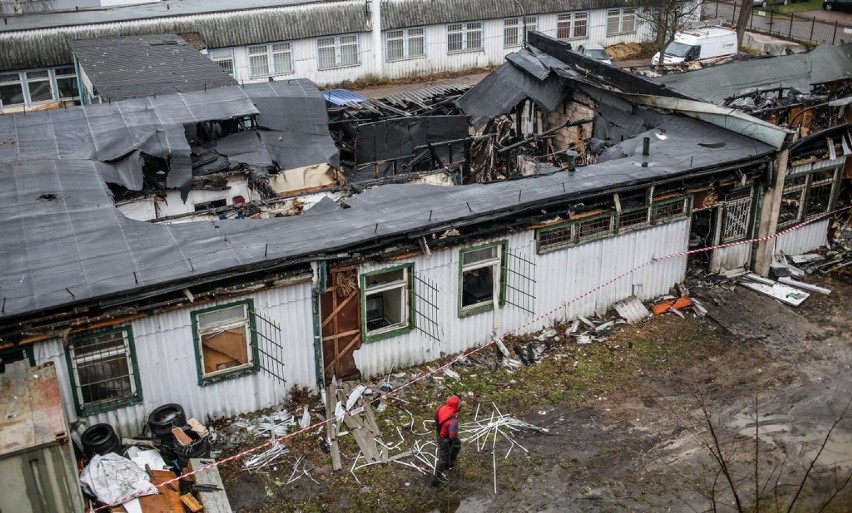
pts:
pixel 226 342
pixel 482 278
pixel 806 196
pixel 210 205
pixel 16 354
pixel 387 301
pixel 155 170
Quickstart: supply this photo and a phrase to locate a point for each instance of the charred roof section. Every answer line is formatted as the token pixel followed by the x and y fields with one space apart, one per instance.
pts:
pixel 136 66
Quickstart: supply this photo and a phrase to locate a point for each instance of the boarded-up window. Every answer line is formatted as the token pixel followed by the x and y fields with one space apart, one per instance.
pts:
pixel 225 341
pixel 103 370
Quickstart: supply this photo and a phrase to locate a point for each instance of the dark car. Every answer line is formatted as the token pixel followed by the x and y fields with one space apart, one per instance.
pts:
pixel 837 5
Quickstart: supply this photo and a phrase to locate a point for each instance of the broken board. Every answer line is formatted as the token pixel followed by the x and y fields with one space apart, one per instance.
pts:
pixel 786 294
pixel 214 501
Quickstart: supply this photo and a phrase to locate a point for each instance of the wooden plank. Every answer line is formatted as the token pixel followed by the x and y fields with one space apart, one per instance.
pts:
pixel 371 419
pixel 330 403
pixel 337 308
pixel 214 501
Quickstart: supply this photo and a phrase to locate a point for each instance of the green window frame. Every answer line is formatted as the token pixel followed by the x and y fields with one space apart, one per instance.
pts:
pixel 225 340
pixel 103 370
pixel 387 302
pixel 472 274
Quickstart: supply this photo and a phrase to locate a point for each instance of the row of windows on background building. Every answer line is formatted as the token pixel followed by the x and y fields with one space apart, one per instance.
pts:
pixel 35 86
pixel 275 59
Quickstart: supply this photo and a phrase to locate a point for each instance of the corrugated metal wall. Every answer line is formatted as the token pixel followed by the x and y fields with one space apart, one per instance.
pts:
pixel 729 258
pixel 560 276
pixel 165 354
pixel 804 239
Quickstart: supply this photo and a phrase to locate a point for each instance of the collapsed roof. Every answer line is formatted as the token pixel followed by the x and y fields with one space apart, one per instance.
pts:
pixel 116 139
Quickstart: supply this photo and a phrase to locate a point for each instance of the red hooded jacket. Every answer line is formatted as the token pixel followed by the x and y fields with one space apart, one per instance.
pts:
pixel 446 422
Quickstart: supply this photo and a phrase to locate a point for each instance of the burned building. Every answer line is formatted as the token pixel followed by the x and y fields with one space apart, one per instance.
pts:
pixel 224 315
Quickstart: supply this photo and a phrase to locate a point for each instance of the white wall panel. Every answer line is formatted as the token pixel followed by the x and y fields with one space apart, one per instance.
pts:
pixel 804 239
pixel 730 257
pixel 166 359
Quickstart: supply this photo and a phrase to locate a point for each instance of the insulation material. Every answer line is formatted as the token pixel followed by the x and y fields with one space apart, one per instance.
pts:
pixel 291 180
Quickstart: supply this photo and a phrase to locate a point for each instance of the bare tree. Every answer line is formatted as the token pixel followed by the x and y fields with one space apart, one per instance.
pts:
pixel 666 17
pixel 742 20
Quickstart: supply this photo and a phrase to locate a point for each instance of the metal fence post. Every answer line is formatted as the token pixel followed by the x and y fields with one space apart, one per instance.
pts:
pixel 717 9
pixel 734 14
pixel 771 19
pixel 790 32
pixel 835 32
pixel 813 21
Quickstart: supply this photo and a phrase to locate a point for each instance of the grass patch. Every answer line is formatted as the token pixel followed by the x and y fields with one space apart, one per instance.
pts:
pixel 810 5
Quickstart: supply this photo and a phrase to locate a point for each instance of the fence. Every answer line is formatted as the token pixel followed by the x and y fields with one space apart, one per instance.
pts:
pixel 805 29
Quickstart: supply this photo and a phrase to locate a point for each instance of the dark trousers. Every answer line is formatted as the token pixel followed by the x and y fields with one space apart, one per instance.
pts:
pixel 448 453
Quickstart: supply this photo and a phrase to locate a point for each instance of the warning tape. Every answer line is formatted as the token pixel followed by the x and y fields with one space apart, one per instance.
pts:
pixel 475 350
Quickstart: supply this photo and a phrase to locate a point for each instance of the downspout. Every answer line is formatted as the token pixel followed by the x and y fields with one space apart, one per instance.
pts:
pixel 318 288
pixel 770 208
pixel 376 33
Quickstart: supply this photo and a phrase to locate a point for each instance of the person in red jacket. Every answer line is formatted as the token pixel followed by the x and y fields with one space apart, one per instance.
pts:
pixel 447 430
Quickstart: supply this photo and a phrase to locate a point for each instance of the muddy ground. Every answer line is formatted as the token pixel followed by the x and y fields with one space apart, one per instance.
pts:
pixel 626 427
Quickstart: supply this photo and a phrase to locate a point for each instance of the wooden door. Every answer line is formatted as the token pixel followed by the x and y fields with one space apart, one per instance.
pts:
pixel 341 324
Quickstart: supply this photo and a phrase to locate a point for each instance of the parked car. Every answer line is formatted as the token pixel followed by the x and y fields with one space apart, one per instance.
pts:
pixel 766 3
pixel 596 52
pixel 837 5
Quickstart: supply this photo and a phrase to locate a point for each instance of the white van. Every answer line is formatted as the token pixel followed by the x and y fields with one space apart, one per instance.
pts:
pixel 699 45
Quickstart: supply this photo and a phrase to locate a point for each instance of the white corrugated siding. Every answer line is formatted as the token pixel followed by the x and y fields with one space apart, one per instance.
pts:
pixel 729 258
pixel 165 354
pixel 804 239
pixel 560 277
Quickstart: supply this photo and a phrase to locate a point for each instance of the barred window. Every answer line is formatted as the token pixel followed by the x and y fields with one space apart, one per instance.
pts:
pixel 270 60
pixel 464 37
pixel 515 29
pixel 338 51
pixel 405 44
pixel 670 210
pixel 103 370
pixel 594 228
pixel 806 196
pixel 620 21
pixel 224 57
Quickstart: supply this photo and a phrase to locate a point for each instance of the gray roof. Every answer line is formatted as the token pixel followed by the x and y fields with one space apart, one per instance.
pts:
pixel 38 40
pixel 109 138
pixel 823 64
pixel 137 66
pixel 413 13
pixel 65 242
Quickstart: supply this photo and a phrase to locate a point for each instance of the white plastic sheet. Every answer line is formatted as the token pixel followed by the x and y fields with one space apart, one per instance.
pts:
pixel 112 478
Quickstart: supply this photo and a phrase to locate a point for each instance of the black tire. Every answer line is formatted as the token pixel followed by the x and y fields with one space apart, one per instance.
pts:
pixel 99 439
pixel 162 419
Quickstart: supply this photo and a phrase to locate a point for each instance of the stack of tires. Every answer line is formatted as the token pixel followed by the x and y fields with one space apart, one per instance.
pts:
pixel 161 421
pixel 100 439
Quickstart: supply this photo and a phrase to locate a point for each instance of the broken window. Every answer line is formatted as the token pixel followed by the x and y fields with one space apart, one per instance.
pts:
pixel 736 215
pixel 807 196
pixel 225 341
pixel 66 82
pixel 572 25
pixel 404 44
pixel 103 370
pixel 209 205
pixel 11 91
pixel 620 21
pixel 515 30
pixel 483 278
pixel 337 52
pixel 386 301
pixel 270 60
pixel 464 37
pixel 224 57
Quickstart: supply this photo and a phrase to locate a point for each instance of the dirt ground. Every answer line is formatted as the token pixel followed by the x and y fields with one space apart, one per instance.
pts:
pixel 626 430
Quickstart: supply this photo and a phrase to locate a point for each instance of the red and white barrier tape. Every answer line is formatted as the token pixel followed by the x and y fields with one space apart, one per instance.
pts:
pixel 475 350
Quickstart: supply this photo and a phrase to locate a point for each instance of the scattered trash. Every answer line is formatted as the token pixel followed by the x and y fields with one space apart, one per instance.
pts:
pixel 671 304
pixel 784 293
pixel 111 477
pixel 630 309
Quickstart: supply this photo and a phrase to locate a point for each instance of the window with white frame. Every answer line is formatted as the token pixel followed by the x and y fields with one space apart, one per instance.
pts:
pixel 103 370
pixel 38 86
pixel 337 52
pixel 464 37
pixel 571 25
pixel 224 57
pixel 405 44
pixel 387 301
pixel 620 21
pixel 270 60
pixel 482 278
pixel 225 341
pixel 11 90
pixel 515 30
pixel 66 82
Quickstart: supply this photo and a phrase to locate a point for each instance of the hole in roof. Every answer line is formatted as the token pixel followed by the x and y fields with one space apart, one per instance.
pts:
pixel 712 145
pixel 48 197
